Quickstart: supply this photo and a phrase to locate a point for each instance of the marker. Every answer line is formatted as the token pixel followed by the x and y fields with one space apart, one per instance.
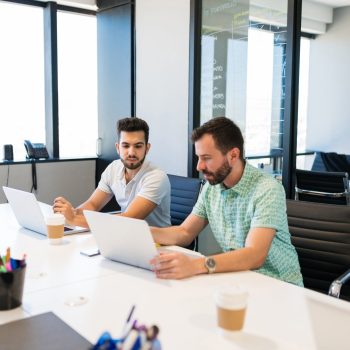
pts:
pixel 8 266
pixel 8 254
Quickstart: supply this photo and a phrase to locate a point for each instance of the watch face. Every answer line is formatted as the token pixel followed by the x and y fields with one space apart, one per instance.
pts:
pixel 211 263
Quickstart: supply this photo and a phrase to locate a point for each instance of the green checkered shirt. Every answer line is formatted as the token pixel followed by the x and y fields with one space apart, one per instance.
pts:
pixel 257 200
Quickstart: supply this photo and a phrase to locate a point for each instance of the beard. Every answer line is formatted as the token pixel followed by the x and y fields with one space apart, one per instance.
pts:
pixel 133 166
pixel 219 175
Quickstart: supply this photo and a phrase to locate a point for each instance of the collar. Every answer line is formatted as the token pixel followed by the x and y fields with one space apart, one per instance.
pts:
pixel 121 174
pixel 244 181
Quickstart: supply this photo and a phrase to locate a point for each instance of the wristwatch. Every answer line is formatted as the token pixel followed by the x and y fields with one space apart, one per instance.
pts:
pixel 210 264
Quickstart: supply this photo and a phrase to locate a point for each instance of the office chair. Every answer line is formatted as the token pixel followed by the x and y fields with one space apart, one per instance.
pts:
pixel 321 235
pixel 184 194
pixel 331 161
pixel 323 187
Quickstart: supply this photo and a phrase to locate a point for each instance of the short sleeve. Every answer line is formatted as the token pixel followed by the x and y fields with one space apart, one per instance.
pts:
pixel 199 209
pixel 270 206
pixel 104 183
pixel 155 186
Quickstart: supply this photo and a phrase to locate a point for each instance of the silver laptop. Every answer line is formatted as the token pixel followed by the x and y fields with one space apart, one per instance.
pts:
pixel 30 213
pixel 127 240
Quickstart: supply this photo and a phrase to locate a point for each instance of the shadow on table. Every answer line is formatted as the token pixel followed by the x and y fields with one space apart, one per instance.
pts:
pixel 134 272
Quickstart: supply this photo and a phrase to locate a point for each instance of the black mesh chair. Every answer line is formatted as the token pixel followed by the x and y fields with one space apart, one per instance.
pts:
pixel 184 194
pixel 324 187
pixel 321 235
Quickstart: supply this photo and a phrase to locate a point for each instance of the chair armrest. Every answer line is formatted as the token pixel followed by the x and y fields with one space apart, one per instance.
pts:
pixel 334 289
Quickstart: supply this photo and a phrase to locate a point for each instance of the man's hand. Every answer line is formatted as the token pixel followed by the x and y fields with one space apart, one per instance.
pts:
pixel 62 206
pixel 174 266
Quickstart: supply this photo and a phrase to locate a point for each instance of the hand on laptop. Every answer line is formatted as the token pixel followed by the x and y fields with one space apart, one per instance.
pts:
pixel 176 266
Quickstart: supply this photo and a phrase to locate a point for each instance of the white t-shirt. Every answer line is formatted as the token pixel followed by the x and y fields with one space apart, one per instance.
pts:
pixel 150 182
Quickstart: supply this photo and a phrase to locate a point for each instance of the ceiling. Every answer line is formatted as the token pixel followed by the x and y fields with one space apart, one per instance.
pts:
pixel 334 3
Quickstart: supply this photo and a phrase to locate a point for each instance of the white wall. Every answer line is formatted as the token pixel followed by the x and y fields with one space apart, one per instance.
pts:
pixel 162 63
pixel 74 180
pixel 329 85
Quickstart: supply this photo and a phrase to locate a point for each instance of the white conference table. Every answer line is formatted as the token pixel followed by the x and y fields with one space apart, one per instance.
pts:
pixel 279 315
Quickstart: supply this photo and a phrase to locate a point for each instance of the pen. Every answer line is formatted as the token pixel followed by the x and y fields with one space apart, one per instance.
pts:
pixel 125 328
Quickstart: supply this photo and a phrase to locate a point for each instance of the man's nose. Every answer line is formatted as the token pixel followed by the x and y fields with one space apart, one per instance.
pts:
pixel 200 165
pixel 132 151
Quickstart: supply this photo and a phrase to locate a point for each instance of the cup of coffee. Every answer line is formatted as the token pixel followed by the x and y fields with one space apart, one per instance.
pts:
pixel 55 228
pixel 231 305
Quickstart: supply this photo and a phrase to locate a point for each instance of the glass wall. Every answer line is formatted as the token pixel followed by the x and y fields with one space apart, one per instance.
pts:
pixel 77 84
pixel 243 73
pixel 324 102
pixel 22 92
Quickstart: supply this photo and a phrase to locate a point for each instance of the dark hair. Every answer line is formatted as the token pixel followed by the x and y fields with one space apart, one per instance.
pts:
pixel 225 132
pixel 132 124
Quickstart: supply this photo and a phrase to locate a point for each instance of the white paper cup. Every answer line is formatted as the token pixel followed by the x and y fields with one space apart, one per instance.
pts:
pixel 231 305
pixel 55 228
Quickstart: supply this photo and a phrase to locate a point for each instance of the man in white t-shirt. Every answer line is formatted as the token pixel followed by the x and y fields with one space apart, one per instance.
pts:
pixel 141 189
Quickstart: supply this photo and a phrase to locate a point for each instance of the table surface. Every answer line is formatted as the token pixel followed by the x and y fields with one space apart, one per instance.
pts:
pixel 279 315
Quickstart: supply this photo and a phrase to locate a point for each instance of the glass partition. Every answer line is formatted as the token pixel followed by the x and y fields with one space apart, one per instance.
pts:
pixel 243 73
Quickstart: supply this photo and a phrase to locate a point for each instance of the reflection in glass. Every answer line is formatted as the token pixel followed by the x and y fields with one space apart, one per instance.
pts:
pixel 243 73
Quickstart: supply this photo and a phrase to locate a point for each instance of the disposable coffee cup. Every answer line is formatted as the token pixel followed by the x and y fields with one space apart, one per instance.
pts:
pixel 11 288
pixel 231 305
pixel 55 228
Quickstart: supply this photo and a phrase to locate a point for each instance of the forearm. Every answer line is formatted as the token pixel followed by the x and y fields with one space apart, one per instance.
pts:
pixel 243 259
pixel 173 235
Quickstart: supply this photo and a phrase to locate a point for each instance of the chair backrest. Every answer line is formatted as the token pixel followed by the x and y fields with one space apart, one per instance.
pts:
pixel 321 235
pixel 324 187
pixel 184 194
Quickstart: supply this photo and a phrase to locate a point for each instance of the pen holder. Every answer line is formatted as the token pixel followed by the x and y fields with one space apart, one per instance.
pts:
pixel 11 288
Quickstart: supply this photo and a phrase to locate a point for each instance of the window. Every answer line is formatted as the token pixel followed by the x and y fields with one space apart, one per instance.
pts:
pixel 22 95
pixel 77 84
pixel 243 60
pixel 303 93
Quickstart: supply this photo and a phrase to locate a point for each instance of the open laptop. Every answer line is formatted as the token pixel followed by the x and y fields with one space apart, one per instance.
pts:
pixel 127 240
pixel 30 213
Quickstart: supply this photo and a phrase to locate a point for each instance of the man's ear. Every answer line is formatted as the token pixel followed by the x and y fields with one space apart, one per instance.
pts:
pixel 117 147
pixel 234 154
pixel 148 146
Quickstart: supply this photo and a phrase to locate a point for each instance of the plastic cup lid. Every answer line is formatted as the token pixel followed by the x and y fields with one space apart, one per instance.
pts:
pixel 55 219
pixel 231 297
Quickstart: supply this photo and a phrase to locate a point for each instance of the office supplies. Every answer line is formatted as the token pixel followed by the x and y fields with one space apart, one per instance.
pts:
pixel 139 337
pixel 127 322
pixel 12 273
pixel 126 240
pixel 31 214
pixel 41 332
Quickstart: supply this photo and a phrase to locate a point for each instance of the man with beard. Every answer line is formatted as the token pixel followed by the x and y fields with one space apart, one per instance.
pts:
pixel 141 189
pixel 246 210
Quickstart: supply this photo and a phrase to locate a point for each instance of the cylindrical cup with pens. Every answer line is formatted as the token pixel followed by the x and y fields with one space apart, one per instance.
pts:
pixel 12 273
